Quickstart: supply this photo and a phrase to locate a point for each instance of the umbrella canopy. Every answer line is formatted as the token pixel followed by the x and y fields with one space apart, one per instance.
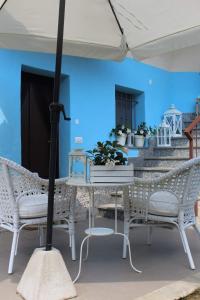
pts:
pixel 90 28
pixel 159 32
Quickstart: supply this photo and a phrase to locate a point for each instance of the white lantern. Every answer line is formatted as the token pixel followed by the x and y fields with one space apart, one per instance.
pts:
pixel 164 135
pixel 78 161
pixel 173 117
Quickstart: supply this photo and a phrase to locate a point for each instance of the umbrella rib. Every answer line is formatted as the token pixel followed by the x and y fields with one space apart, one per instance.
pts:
pixel 3 4
pixel 166 36
pixel 117 20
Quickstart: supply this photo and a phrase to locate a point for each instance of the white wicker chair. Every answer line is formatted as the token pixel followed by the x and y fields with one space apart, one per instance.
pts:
pixel 23 202
pixel 169 199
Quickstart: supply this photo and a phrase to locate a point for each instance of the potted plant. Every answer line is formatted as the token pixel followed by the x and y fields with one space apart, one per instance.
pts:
pixel 108 153
pixel 120 133
pixel 140 134
pixel 149 136
pixel 108 163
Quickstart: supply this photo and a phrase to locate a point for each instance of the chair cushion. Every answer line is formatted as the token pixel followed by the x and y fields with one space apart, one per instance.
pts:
pixel 33 206
pixel 163 203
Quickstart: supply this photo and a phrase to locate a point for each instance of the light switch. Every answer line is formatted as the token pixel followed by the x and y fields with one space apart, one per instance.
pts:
pixel 77 122
pixel 78 139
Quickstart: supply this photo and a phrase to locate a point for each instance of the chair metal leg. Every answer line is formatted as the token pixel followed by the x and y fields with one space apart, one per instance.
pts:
pixel 149 235
pixel 12 253
pixel 182 239
pixel 185 242
pixel 17 242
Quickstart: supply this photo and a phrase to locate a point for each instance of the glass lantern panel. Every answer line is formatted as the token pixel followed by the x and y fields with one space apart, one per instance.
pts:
pixel 168 141
pixel 170 121
pixel 78 167
pixel 164 136
pixel 178 125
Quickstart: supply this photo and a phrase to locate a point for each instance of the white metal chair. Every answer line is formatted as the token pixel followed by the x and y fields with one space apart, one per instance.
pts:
pixel 167 199
pixel 23 202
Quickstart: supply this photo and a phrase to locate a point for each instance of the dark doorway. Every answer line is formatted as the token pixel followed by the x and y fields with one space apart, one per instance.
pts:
pixel 36 95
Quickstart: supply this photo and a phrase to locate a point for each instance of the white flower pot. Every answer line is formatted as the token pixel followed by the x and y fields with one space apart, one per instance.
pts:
pixel 122 139
pixel 139 141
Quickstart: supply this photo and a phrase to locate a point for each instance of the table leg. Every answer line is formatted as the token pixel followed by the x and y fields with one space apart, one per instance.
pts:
pixel 87 249
pixel 92 204
pixel 80 260
pixel 116 212
pixel 129 250
pixel 124 236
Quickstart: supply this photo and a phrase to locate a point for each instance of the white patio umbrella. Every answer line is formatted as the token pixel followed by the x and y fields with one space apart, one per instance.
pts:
pixel 159 32
pixel 105 29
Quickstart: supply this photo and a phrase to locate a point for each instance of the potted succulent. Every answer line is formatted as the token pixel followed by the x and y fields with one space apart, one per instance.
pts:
pixel 120 133
pixel 108 163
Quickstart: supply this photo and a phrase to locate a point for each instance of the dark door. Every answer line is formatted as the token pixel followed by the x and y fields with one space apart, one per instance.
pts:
pixel 124 109
pixel 36 95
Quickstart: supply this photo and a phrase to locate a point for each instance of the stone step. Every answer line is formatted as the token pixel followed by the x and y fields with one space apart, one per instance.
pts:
pixel 188 117
pixel 194 130
pixel 183 141
pixel 187 123
pixel 178 151
pixel 166 161
pixel 148 172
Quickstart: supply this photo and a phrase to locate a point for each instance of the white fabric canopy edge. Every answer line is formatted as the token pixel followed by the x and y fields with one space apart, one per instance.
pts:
pixel 78 48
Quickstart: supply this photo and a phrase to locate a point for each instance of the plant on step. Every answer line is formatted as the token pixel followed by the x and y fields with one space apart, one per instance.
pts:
pixel 119 130
pixel 108 153
pixel 142 129
pixel 145 130
pixel 152 131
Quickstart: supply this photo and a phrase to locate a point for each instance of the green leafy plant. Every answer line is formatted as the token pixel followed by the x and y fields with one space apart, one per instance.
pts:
pixel 142 129
pixel 152 130
pixel 145 130
pixel 108 153
pixel 119 130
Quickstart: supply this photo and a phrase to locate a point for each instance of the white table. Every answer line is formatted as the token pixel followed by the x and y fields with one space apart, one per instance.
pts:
pixel 92 230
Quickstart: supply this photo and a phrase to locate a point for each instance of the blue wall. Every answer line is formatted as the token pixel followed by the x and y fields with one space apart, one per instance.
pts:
pixel 185 88
pixel 88 91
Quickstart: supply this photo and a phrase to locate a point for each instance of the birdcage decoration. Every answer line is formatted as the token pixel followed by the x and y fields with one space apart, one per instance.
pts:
pixel 78 162
pixel 173 117
pixel 164 135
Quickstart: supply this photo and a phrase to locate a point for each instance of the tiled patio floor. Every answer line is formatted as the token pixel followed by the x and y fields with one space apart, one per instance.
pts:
pixel 105 276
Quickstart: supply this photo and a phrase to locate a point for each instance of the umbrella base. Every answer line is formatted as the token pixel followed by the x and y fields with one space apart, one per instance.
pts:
pixel 46 278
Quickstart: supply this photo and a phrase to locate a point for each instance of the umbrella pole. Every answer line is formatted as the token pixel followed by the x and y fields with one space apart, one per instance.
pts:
pixel 55 110
pixel 46 274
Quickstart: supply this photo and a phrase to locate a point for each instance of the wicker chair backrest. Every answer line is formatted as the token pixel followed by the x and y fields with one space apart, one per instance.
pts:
pixel 15 180
pixel 183 182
